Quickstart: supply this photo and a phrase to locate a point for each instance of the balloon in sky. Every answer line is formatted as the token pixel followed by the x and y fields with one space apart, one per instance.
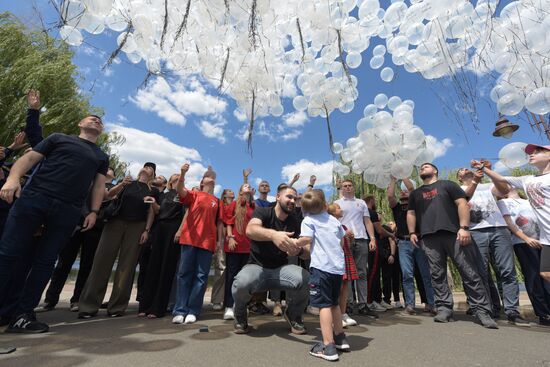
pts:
pixel 513 155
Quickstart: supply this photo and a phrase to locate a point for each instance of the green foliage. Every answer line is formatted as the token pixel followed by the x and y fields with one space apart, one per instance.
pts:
pixel 34 60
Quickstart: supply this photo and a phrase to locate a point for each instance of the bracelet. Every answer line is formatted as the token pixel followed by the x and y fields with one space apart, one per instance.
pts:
pixel 231 236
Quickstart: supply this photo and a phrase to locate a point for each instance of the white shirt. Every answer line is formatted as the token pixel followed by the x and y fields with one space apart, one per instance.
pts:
pixel 484 211
pixel 523 217
pixel 537 189
pixel 326 250
pixel 354 212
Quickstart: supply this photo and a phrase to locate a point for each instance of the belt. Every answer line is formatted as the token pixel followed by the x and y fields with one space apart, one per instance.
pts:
pixel 404 238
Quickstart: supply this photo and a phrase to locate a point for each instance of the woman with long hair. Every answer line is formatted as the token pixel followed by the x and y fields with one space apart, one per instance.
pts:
pixel 122 236
pixel 164 254
pixel 237 246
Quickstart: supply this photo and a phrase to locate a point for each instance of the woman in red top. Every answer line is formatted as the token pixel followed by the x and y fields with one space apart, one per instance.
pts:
pixel 198 240
pixel 237 245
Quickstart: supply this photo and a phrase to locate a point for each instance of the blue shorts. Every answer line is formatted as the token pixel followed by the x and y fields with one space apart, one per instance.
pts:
pixel 324 288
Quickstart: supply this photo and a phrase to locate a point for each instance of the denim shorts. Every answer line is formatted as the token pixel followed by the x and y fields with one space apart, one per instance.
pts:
pixel 324 288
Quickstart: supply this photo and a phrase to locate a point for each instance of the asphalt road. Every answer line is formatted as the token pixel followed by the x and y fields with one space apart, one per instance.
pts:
pixel 392 340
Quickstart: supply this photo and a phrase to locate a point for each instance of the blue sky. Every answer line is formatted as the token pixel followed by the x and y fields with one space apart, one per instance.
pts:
pixel 170 123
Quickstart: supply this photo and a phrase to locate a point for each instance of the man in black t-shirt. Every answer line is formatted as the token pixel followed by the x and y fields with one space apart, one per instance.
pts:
pixel 53 198
pixel 440 212
pixel 273 232
pixel 409 254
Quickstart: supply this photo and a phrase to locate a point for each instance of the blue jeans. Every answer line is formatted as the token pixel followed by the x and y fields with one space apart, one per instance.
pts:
pixel 192 278
pixel 408 255
pixel 495 243
pixel 26 216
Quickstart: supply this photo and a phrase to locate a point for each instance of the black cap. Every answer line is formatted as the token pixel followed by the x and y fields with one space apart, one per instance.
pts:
pixel 152 165
pixel 431 164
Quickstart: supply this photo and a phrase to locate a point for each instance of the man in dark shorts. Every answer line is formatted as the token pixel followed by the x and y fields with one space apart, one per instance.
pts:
pixel 440 209
pixel 273 232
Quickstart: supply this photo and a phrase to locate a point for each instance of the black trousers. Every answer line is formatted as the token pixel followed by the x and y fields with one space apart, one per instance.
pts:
pixel 374 292
pixel 234 262
pixel 420 284
pixel 162 266
pixel 86 244
pixel 391 279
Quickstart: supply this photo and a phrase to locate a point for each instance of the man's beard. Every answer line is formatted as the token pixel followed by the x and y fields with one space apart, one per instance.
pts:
pixel 286 208
pixel 425 176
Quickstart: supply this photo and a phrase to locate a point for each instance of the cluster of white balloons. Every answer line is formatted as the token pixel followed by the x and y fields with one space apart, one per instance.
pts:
pixel 388 143
pixel 259 51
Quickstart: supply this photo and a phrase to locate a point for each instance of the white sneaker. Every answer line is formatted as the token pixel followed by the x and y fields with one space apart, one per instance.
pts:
pixel 177 319
pixel 348 321
pixel 217 306
pixel 398 304
pixel 375 306
pixel 386 305
pixel 228 314
pixel 190 319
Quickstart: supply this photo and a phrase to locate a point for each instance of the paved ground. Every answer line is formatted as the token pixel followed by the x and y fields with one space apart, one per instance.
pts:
pixel 393 340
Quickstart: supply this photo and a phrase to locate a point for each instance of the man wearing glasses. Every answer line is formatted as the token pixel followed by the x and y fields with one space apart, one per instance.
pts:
pixel 53 199
pixel 357 219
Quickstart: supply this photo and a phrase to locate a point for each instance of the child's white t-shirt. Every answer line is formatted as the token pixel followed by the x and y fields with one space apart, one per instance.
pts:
pixel 537 189
pixel 326 251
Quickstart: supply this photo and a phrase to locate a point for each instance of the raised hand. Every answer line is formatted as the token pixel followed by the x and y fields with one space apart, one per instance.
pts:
pixel 33 99
pixel 184 168
pixel 18 141
pixel 247 172
pixel 312 180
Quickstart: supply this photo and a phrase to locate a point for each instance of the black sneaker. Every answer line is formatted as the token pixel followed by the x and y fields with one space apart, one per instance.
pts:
pixel 104 305
pixel 327 352
pixel 115 314
pixel 26 323
pixel 341 343
pixel 240 325
pixel 86 315
pixel 296 326
pixel 486 320
pixel 44 308
pixel 349 309
pixel 516 319
pixel 365 311
pixel 544 320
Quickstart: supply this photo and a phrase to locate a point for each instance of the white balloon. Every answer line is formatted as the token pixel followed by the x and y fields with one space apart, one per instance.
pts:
pixel 394 102
pixel 386 74
pixel 379 50
pixel 538 101
pixel 376 62
pixel 370 110
pixel 513 155
pixel 425 156
pixel 353 59
pixel 511 104
pixel 71 35
pixel 337 148
pixel 381 100
pixel 364 124
pixel 300 103
pixel 401 169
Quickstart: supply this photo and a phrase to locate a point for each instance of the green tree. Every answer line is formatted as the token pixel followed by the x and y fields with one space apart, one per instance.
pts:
pixel 31 59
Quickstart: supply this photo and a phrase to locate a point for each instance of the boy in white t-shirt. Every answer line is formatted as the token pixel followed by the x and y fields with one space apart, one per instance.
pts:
pixel 537 189
pixel 324 234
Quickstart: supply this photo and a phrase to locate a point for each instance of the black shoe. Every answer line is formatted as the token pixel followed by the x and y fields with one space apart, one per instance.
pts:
pixel 296 326
pixel 443 315
pixel 544 320
pixel 115 314
pixel 44 308
pixel 26 323
pixel 365 311
pixel 486 320
pixel 86 315
pixel 516 319
pixel 5 320
pixel 349 310
pixel 341 343
pixel 240 325
pixel 327 352
pixel 104 305
pixel 470 312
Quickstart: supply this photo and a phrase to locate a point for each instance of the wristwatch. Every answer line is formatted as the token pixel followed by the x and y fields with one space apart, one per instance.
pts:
pixel 466 228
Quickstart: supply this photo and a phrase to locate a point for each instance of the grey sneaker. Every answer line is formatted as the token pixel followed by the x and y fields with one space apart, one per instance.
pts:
pixel 486 320
pixel 409 310
pixel 341 343
pixel 516 319
pixel 296 326
pixel 327 352
pixel 443 315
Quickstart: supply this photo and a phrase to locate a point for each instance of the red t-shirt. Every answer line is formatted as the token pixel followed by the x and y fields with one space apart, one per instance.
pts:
pixel 199 230
pixel 228 218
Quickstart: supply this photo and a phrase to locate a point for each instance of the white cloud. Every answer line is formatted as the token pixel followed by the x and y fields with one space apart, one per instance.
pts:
pixel 121 118
pixel 240 115
pixel 257 180
pixel 175 102
pixel 212 130
pixel 305 168
pixel 108 72
pixel 291 135
pixel 439 148
pixel 295 119
pixel 142 146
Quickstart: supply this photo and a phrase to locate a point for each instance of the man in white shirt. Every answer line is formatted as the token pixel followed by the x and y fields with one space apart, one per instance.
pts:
pixel 491 235
pixel 357 220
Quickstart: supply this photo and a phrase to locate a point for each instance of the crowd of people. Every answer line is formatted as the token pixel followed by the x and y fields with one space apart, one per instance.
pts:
pixel 60 199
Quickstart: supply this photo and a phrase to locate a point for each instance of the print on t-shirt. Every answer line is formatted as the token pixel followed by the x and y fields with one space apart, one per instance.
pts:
pixel 428 195
pixel 534 192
